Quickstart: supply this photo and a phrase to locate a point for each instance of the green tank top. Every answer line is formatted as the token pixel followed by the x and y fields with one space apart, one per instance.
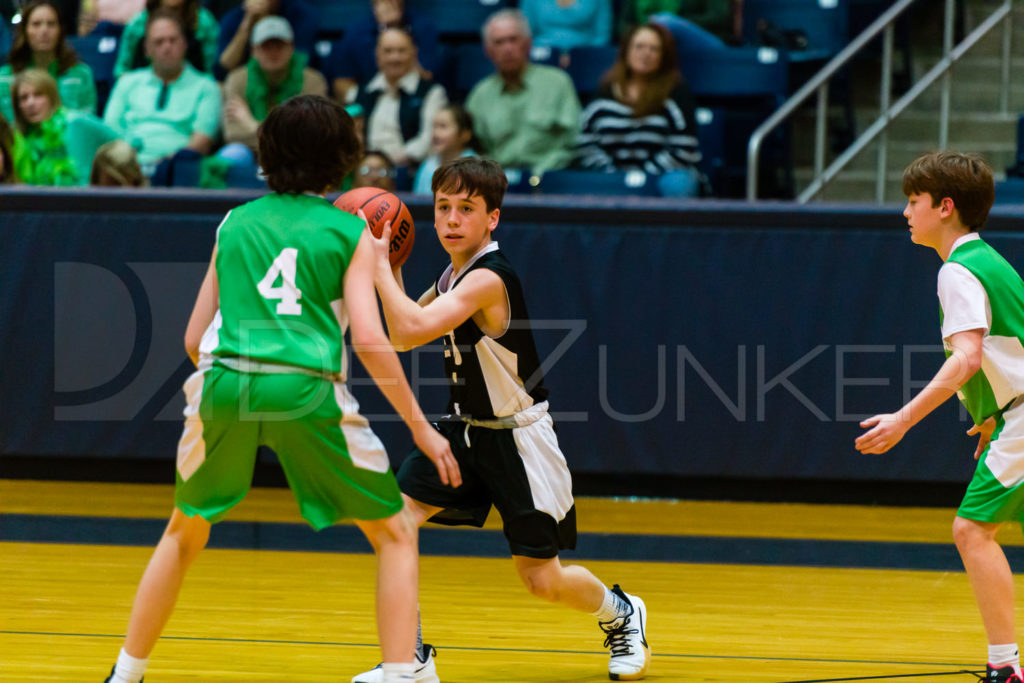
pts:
pixel 998 382
pixel 281 260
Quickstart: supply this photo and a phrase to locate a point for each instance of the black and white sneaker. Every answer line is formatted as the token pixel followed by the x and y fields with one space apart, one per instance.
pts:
pixel 626 638
pixel 1002 675
pixel 426 670
pixel 111 676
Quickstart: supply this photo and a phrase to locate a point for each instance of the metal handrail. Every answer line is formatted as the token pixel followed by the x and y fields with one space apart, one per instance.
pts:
pixel 881 124
pixel 819 84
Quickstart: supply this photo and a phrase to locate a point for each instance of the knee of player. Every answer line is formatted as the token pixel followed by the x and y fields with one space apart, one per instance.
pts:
pixel 190 534
pixel 540 584
pixel 966 532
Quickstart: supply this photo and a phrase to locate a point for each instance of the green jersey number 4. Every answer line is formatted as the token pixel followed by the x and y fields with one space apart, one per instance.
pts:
pixel 288 292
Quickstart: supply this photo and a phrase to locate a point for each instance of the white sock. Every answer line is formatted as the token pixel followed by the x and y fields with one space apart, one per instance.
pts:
pixel 612 608
pixel 129 669
pixel 1003 655
pixel 398 673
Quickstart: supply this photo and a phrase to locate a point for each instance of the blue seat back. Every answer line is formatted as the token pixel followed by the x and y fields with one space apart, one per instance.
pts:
pixel 458 18
pixel 1010 191
pixel 826 23
pixel 599 183
pixel 737 73
pixel 588 65
pixel 1020 140
pixel 336 14
pixel 471 66
pixel 100 53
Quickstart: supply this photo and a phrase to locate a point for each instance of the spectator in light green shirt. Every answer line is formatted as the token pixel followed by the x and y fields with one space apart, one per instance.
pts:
pixel 39 43
pixel 168 106
pixel 526 116
pixel 201 33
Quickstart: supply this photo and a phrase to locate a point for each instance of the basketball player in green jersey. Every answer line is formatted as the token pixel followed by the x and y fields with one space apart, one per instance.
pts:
pixel 981 301
pixel 498 425
pixel 289 273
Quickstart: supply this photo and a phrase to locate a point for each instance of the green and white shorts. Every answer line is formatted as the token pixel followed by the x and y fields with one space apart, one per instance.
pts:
pixel 996 493
pixel 336 466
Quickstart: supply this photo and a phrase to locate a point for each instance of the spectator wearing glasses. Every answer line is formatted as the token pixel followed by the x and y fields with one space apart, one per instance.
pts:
pixel 375 170
pixel 168 106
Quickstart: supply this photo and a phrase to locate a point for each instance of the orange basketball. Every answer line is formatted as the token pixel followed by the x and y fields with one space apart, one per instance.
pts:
pixel 380 206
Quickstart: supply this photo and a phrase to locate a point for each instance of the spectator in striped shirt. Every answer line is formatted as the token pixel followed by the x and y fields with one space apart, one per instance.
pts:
pixel 643 116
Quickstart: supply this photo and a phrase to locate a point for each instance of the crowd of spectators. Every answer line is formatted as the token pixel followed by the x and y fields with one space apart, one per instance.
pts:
pixel 191 90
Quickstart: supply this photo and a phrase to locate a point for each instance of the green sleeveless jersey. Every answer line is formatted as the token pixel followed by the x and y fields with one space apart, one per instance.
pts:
pixel 281 260
pixel 1001 377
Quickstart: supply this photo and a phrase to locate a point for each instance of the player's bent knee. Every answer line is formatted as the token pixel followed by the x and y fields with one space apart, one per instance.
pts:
pixel 967 532
pixel 540 583
pixel 190 533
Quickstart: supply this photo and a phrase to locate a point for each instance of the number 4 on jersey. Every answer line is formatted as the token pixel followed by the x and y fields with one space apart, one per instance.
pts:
pixel 288 292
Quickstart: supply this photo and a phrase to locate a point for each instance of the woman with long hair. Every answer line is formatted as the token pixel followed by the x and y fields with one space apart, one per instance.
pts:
pixel 39 43
pixel 643 117
pixel 57 145
pixel 202 31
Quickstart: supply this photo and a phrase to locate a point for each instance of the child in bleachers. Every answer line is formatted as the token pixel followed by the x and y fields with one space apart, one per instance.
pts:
pixel 375 170
pixel 116 164
pixel 39 42
pixel 451 137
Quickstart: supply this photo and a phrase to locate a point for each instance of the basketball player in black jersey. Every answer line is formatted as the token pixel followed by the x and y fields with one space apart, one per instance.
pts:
pixel 498 424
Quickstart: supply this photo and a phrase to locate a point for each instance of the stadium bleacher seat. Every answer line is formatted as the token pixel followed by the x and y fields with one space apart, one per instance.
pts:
pixel 711 133
pixel 471 65
pixel 100 53
pixel 569 181
pixel 587 66
pixel 458 19
pixel 334 14
pixel 823 23
pixel 1010 191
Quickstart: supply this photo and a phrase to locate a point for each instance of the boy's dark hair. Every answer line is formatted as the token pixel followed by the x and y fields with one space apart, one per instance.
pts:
pixel 474 176
pixel 307 144
pixel 964 178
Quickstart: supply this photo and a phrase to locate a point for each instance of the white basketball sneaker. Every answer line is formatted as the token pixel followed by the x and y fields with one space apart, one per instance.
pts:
pixel 626 638
pixel 426 670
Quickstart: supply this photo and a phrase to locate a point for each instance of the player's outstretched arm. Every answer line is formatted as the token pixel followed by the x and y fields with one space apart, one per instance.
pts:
pixel 412 323
pixel 203 311
pixel 887 429
pixel 380 360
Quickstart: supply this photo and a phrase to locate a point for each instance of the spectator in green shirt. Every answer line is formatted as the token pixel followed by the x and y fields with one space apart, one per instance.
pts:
pixel 168 106
pixel 57 145
pixel 526 116
pixel 201 33
pixel 39 43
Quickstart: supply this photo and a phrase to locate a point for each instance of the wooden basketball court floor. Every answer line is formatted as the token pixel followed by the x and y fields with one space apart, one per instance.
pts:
pixel 735 591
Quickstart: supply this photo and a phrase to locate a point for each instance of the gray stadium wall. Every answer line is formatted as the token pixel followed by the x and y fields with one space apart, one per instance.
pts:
pixel 706 339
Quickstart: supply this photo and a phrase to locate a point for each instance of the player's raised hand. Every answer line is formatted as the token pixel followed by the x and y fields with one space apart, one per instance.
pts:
pixel 437 448
pixel 886 431
pixel 984 432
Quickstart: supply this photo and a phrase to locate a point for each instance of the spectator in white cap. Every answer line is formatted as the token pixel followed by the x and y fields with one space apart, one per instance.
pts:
pixel 274 73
